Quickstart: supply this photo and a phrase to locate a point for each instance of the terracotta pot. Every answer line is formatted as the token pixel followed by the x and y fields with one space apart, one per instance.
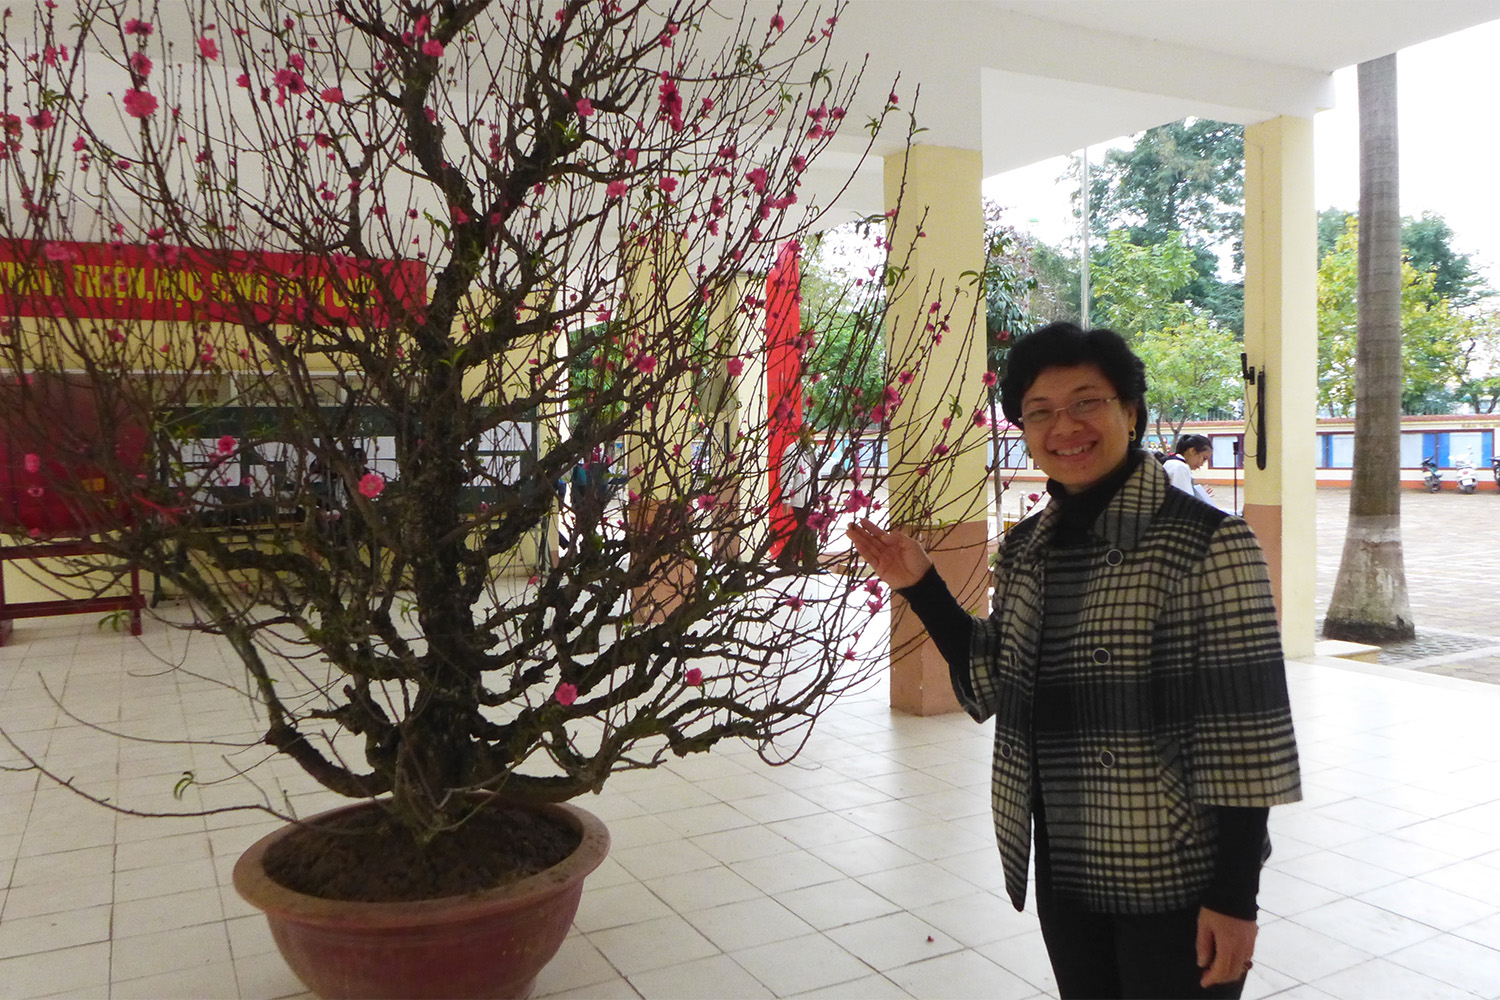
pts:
pixel 488 944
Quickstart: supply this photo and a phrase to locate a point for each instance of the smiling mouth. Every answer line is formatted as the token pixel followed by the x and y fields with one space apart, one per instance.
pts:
pixel 1070 452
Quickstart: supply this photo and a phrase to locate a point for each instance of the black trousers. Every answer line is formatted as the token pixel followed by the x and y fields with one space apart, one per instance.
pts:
pixel 1122 955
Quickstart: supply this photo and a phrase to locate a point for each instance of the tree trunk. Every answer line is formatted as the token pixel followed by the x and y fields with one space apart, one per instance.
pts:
pixel 1370 602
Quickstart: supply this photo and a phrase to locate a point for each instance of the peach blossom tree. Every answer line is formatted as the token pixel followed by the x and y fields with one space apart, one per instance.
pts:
pixel 445 324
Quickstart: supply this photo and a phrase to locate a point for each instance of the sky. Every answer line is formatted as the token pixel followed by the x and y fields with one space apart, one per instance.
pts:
pixel 1450 150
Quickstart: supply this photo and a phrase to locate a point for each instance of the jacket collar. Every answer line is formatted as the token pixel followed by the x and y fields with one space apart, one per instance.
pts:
pixel 1125 518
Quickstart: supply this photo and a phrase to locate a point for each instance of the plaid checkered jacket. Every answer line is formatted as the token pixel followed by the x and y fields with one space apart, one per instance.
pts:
pixel 1175 690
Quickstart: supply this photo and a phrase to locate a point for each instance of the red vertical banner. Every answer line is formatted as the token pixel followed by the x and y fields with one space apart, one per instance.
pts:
pixel 783 377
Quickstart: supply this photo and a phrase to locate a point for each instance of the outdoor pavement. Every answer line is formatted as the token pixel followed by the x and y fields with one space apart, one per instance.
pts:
pixel 1451 545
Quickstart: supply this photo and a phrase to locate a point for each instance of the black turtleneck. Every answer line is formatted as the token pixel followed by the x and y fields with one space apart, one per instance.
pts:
pixel 1080 510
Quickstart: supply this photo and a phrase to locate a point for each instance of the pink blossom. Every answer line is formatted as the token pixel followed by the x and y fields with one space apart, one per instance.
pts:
pixel 893 99
pixel 940 449
pixel 42 120
pixel 694 677
pixel 734 366
pixel 139 104
pixel 584 107
pixel 332 95
pixel 670 103
pixel 371 485
pixel 140 63
pixel 981 419
pixel 778 23
pixel 566 693
pixel 79 145
pixel 795 603
pixel 667 184
pixel 33 463
pixel 817 520
pixel 207 354
pixel 707 501
pixel 208 48
pixel 59 253
pixel 629 155
pixel 432 47
pixel 291 80
pixel 227 444
pixel 989 378
pixel 645 363
pixel 874 605
pixel 136 27
pixel 616 189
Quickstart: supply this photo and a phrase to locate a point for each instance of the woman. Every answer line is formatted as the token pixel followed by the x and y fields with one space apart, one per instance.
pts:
pixel 1133 666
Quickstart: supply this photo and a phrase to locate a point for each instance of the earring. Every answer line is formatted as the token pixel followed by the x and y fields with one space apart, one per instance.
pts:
pixel 1132 435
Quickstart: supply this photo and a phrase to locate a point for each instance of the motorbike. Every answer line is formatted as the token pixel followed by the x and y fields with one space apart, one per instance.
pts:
pixel 1495 468
pixel 1431 477
pixel 1464 473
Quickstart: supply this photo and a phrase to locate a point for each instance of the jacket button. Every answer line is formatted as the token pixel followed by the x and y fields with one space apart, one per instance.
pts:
pixel 1114 557
pixel 1005 751
pixel 1106 759
pixel 1101 656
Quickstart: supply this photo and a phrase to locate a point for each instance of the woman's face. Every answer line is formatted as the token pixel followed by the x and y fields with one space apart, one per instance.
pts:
pixel 1078 450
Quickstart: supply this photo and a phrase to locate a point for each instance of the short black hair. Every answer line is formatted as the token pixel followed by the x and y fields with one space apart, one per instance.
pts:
pixel 1192 442
pixel 1064 345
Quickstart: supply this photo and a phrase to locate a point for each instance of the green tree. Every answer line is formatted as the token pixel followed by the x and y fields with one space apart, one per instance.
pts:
pixel 840 310
pixel 1135 286
pixel 1370 602
pixel 1426 244
pixel 1190 372
pixel 1191 363
pixel 1184 177
pixel 1010 287
pixel 1440 345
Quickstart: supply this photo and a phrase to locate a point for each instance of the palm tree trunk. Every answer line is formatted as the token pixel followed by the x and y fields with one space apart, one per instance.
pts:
pixel 1370 602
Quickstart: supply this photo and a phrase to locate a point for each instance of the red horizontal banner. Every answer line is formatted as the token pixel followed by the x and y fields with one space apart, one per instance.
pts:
pixel 158 282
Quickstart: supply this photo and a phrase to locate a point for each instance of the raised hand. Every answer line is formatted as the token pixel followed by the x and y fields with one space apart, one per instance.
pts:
pixel 894 555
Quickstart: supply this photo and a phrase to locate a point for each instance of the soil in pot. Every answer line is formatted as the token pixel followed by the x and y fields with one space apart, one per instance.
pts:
pixel 367 857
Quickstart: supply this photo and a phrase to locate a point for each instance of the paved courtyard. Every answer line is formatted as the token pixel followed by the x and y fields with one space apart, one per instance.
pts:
pixel 1451 544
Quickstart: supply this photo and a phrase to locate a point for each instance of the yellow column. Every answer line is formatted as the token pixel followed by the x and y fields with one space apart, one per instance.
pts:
pixel 938 191
pixel 1281 341
pixel 658 450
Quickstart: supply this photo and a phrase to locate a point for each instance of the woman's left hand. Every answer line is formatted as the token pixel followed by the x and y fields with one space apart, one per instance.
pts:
pixel 1225 945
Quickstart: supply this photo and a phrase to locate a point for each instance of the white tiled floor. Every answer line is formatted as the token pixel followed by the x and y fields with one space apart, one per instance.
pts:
pixel 865 869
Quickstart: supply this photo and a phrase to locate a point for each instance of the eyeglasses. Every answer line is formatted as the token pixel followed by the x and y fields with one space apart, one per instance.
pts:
pixel 1079 409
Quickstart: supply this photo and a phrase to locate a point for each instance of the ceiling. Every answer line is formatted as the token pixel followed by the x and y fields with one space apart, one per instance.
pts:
pixel 1023 80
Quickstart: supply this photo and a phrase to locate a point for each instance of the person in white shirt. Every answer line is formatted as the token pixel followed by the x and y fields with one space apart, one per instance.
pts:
pixel 1192 451
pixel 799 553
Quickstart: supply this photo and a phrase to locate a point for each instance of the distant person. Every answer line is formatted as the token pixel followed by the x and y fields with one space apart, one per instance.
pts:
pixel 799 553
pixel 1192 452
